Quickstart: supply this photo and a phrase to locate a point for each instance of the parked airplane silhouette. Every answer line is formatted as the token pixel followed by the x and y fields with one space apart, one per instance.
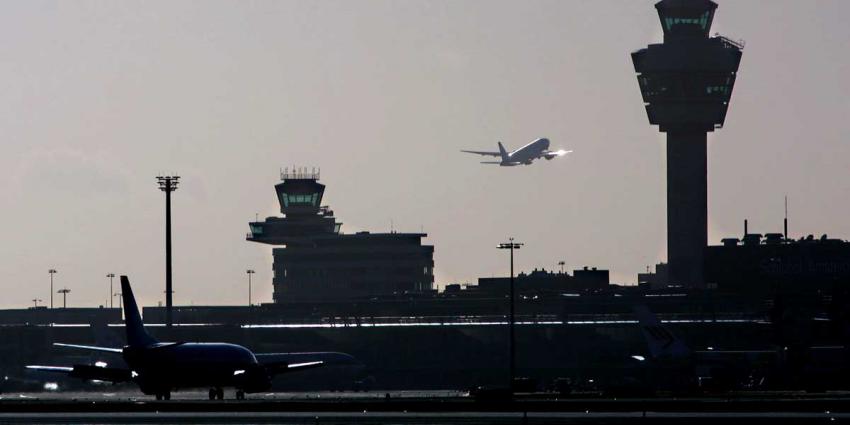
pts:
pixel 161 367
pixel 522 156
pixel 707 369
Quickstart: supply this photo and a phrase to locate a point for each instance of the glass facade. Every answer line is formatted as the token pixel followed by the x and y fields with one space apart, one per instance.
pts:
pixel 293 199
pixel 256 229
pixel 701 20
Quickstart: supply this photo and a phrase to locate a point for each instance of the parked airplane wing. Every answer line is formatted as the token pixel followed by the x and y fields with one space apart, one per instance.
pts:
pixel 276 363
pixel 483 153
pixel 89 347
pixel 57 369
pixel 88 372
pixel 277 368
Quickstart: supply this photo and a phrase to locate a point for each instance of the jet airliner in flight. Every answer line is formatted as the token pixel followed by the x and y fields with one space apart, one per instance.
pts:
pixel 522 156
pixel 161 367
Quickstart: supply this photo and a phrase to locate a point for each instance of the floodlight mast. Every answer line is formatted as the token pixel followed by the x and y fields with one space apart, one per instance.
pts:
pixel 64 292
pixel 511 245
pixel 110 276
pixel 52 272
pixel 249 272
pixel 168 184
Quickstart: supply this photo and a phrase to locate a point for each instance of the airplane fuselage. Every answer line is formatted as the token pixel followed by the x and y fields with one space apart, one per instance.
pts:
pixel 166 367
pixel 526 154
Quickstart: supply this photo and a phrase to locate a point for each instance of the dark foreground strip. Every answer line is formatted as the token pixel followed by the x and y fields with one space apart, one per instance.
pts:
pixel 468 418
pixel 437 405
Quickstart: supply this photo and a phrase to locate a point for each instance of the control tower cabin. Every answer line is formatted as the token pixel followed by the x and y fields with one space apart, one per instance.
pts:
pixel 313 260
pixel 686 83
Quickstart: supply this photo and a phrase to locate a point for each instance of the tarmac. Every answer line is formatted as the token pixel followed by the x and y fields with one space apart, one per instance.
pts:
pixel 415 407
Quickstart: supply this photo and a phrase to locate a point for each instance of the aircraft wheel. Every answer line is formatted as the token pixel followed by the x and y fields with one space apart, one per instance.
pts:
pixel 158 396
pixel 213 394
pixel 219 393
pixel 240 395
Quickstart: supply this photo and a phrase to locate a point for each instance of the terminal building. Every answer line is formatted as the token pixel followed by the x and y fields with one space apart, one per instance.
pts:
pixel 314 260
pixel 772 263
pixel 547 282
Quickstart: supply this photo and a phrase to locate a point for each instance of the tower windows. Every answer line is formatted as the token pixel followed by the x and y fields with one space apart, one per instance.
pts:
pixel 306 199
pixel 702 21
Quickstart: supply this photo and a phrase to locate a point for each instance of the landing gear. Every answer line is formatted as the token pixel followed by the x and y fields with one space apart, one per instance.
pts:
pixel 166 395
pixel 216 394
pixel 240 395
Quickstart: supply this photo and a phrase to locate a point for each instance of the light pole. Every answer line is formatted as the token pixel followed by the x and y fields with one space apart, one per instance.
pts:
pixel 35 302
pixel 249 272
pixel 511 245
pixel 561 263
pixel 168 184
pixel 110 276
pixel 120 303
pixel 64 292
pixel 52 272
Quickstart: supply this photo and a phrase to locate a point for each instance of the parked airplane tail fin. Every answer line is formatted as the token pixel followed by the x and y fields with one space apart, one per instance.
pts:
pixel 661 341
pixel 137 336
pixel 503 152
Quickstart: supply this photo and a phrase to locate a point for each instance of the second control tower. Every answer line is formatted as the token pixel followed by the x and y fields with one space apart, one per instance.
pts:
pixel 686 83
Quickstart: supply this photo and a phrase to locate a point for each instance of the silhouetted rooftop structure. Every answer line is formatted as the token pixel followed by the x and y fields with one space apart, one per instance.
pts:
pixel 313 259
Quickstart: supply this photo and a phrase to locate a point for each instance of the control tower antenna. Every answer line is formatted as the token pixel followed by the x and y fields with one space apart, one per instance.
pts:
pixel 168 184
pixel 686 83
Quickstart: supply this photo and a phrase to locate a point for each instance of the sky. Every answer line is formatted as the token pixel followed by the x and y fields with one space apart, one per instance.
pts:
pixel 100 97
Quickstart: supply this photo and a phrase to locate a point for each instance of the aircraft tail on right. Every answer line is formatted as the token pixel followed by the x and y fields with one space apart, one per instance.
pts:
pixel 503 152
pixel 137 336
pixel 661 341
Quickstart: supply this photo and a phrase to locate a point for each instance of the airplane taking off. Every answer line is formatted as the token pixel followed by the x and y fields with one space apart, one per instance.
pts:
pixel 522 156
pixel 160 367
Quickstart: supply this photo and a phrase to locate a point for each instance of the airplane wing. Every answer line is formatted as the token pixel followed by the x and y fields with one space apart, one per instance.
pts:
pixel 277 368
pixel 90 347
pixel 483 153
pixel 57 369
pixel 88 372
pixel 277 363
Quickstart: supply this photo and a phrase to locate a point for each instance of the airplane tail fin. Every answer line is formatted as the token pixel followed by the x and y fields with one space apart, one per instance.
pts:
pixel 661 341
pixel 503 152
pixel 137 336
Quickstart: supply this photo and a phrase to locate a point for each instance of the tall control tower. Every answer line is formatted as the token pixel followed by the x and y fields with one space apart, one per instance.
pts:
pixel 686 83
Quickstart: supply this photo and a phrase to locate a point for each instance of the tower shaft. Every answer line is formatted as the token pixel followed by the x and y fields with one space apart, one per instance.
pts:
pixel 687 205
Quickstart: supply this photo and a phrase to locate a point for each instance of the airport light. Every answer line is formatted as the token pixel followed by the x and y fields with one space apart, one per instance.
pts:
pixel 249 272
pixel 35 302
pixel 562 263
pixel 64 292
pixel 120 303
pixel 52 272
pixel 168 184
pixel 110 276
pixel 511 245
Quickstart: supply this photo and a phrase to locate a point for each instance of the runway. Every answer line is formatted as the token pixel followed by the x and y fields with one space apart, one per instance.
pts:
pixel 471 418
pixel 414 407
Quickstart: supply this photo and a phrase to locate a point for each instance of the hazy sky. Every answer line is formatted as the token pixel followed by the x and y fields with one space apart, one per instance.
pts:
pixel 100 97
